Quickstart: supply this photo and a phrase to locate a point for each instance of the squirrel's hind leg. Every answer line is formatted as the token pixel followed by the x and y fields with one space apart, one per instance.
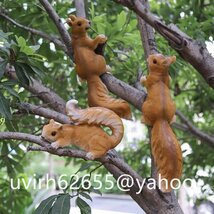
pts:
pixel 146 121
pixel 173 119
pixel 95 154
pixel 55 145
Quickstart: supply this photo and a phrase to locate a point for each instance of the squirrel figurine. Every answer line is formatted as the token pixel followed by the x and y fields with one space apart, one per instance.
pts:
pixel 90 65
pixel 87 132
pixel 159 112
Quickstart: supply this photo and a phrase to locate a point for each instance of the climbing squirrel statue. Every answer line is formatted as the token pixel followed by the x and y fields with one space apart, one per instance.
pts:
pixel 159 111
pixel 87 132
pixel 89 66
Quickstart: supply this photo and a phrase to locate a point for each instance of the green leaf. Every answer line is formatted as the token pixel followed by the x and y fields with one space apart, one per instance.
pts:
pixel 73 79
pixel 46 205
pixel 35 47
pixel 86 195
pixel 11 91
pixel 9 83
pixel 21 74
pixel 27 50
pixel 85 166
pixel 38 57
pixel 84 207
pixel 37 71
pixel 3 65
pixel 4 107
pixel 5 35
pixel 121 19
pixel 62 205
pixel 11 125
pixel 95 191
pixel 21 41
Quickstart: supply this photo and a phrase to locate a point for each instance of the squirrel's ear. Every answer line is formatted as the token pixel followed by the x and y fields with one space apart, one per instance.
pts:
pixel 72 17
pixel 51 121
pixel 60 127
pixel 173 59
pixel 69 22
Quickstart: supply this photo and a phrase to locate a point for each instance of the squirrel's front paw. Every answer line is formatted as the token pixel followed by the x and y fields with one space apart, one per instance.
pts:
pixel 90 156
pixel 102 38
pixel 143 79
pixel 55 145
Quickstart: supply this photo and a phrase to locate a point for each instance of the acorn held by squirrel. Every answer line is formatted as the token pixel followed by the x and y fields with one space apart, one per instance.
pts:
pixel 89 66
pixel 87 132
pixel 159 111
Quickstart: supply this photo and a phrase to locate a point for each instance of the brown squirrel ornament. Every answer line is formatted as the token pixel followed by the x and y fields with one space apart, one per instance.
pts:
pixel 90 65
pixel 159 111
pixel 87 132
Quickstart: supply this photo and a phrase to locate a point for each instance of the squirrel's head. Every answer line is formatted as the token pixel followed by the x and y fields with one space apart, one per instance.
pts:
pixel 79 25
pixel 160 63
pixel 51 131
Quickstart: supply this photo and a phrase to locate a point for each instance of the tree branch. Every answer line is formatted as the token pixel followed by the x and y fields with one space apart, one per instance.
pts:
pixel 80 8
pixel 124 90
pixel 22 136
pixel 147 34
pixel 42 92
pixel 34 31
pixel 190 50
pixel 56 19
pixel 44 112
pixel 195 131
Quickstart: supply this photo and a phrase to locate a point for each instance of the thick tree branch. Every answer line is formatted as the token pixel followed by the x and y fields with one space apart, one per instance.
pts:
pixel 124 90
pixel 147 34
pixel 22 136
pixel 34 31
pixel 80 8
pixel 190 50
pixel 60 26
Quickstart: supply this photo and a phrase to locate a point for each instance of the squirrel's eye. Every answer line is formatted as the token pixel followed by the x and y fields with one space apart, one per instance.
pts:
pixel 79 23
pixel 53 133
pixel 154 61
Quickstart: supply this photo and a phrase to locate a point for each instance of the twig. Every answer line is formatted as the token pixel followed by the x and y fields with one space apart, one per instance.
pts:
pixel 34 31
pixel 44 112
pixel 195 131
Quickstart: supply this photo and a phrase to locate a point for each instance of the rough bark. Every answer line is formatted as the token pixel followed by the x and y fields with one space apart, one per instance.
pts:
pixel 80 8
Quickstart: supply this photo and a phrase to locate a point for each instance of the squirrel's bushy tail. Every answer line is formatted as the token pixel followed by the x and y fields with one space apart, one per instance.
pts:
pixel 98 96
pixel 167 154
pixel 96 116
